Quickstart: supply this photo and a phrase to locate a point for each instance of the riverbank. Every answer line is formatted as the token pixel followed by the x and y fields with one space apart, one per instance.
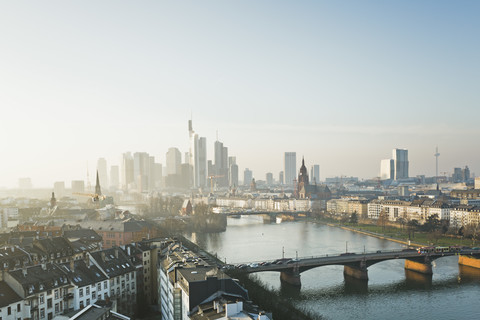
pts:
pixel 396 234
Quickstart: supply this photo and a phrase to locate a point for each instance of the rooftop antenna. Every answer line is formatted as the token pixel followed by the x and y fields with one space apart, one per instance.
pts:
pixel 436 155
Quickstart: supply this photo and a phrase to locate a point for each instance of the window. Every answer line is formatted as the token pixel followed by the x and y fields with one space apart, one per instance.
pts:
pixel 42 299
pixel 49 303
pixel 9 310
pixel 87 291
pixel 42 313
pixel 99 286
pixel 57 308
pixel 88 302
pixel 56 293
pixel 105 284
pixel 128 276
pixel 18 307
pixel 94 295
pixel 80 292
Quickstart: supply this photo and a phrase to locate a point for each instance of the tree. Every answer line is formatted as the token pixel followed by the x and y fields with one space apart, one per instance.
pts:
pixel 201 209
pixel 471 231
pixel 432 223
pixel 354 218
pixel 412 226
pixel 402 222
pixel 382 219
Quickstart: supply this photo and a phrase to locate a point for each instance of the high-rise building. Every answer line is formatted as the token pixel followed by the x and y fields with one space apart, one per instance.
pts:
pixel 387 169
pixel 174 161
pixel 197 157
pixel 78 186
pixel 233 171
pixel 247 177
pixel 141 170
pixel 158 175
pixel 400 158
pixel 59 189
pixel 201 169
pixel 127 177
pixel 221 164
pixel 269 178
pixel 234 175
pixel 102 172
pixel 466 174
pixel 290 166
pixel 114 177
pixel 315 173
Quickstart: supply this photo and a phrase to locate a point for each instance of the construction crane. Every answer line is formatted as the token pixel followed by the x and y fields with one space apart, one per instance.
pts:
pixel 211 177
pixel 97 196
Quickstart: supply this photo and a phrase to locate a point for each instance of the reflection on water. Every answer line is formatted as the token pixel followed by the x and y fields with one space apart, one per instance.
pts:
pixel 391 292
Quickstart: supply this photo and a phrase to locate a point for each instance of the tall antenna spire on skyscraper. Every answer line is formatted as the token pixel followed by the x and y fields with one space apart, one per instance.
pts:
pixel 436 164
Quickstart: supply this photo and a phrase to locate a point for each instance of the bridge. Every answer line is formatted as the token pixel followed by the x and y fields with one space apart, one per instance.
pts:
pixel 356 264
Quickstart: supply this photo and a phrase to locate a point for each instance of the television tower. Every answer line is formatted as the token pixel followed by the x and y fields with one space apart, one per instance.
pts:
pixel 436 160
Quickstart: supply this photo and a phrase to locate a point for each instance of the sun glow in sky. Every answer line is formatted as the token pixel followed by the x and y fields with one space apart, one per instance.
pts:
pixel 339 82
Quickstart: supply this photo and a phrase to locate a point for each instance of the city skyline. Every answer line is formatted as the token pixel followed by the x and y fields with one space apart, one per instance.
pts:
pixel 339 84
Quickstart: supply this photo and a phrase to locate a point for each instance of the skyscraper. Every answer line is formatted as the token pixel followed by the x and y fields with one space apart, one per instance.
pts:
pixel 127 170
pixel 102 172
pixel 387 169
pixel 221 164
pixel 247 177
pixel 315 173
pixel 197 157
pixel 290 166
pixel 174 161
pixel 201 169
pixel 269 178
pixel 114 177
pixel 400 158
pixel 141 170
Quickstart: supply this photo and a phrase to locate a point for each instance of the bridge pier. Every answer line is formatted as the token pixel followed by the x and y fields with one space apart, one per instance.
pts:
pixel 469 261
pixel 291 277
pixel 360 273
pixel 421 267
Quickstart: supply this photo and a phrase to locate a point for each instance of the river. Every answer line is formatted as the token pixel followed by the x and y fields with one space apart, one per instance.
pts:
pixel 391 293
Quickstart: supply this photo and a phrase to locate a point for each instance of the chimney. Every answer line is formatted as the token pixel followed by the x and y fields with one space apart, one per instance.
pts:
pixel 103 255
pixel 24 271
pixel 128 250
pixel 116 252
pixel 72 265
pixel 87 260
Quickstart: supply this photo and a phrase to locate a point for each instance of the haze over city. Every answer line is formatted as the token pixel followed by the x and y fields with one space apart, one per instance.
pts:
pixel 339 83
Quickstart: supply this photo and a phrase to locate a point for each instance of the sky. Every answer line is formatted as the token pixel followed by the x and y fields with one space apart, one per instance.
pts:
pixel 341 83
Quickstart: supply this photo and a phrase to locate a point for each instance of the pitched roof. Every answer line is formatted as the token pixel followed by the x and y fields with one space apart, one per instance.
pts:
pixel 7 295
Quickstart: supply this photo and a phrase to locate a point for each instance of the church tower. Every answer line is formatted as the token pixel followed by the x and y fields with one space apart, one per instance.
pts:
pixel 302 181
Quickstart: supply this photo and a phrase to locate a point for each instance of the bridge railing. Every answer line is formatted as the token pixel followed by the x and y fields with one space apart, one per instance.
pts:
pixel 319 256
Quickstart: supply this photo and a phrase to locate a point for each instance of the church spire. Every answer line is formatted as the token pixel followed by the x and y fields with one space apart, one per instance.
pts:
pixel 98 190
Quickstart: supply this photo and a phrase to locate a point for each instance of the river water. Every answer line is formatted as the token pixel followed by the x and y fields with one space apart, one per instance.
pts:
pixel 453 292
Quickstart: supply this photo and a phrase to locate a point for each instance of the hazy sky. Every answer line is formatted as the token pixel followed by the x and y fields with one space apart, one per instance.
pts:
pixel 340 82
